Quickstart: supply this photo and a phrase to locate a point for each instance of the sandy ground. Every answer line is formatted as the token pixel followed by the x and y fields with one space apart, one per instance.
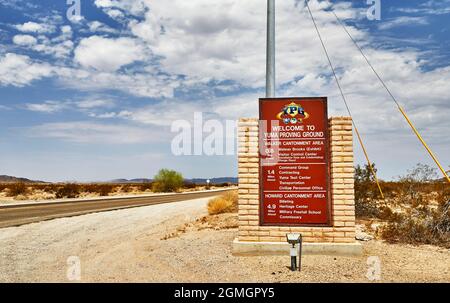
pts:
pixel 159 244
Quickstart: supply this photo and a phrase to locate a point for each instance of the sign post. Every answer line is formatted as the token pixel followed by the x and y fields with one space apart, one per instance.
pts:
pixel 270 55
pixel 294 162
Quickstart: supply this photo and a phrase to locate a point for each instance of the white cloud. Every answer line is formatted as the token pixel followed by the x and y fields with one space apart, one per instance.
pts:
pixel 96 26
pixel 48 107
pixel 133 7
pixel 110 115
pixel 93 103
pixel 96 133
pixel 403 21
pixel 24 40
pixel 81 105
pixel 33 27
pixel 109 55
pixel 145 84
pixel 19 70
pixel 59 47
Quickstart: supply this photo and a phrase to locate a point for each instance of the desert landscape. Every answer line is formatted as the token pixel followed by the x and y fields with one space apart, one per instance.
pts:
pixel 408 232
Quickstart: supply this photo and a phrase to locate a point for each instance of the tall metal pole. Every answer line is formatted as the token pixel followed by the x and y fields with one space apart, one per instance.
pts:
pixel 270 65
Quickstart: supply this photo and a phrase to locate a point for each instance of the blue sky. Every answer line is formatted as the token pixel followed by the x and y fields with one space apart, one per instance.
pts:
pixel 93 98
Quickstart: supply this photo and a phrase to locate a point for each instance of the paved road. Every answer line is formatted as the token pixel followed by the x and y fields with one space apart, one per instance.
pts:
pixel 15 215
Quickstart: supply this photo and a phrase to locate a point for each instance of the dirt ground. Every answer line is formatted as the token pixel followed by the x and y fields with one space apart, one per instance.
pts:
pixel 169 243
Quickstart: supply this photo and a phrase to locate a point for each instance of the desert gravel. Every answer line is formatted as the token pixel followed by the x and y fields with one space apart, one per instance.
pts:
pixel 133 245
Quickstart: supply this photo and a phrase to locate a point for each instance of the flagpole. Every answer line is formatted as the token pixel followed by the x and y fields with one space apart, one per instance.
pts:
pixel 270 64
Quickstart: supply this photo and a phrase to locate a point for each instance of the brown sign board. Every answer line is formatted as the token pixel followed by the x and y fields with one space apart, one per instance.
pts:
pixel 294 162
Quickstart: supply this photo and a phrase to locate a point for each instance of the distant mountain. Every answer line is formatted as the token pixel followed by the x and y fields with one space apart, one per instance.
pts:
pixel 124 181
pixel 11 179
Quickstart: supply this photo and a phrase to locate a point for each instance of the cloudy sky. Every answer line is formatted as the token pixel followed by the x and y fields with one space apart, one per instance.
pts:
pixel 92 98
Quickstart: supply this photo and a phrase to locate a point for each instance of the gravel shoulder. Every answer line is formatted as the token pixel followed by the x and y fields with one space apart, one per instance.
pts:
pixel 169 243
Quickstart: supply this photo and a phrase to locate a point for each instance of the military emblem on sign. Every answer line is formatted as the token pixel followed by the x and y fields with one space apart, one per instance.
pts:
pixel 293 114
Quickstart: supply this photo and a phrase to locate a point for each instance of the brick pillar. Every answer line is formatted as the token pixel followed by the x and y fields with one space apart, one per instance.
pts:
pixel 248 179
pixel 342 176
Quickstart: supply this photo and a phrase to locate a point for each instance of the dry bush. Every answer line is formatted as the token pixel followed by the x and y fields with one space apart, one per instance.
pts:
pixel 226 203
pixel 126 188
pixel 218 205
pixel 420 224
pixel 69 190
pixel 189 185
pixel 367 204
pixel 145 186
pixel 100 189
pixel 17 189
pixel 225 184
pixel 105 189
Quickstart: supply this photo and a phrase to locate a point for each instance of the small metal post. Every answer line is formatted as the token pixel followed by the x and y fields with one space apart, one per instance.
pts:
pixel 300 248
pixel 293 258
pixel 270 65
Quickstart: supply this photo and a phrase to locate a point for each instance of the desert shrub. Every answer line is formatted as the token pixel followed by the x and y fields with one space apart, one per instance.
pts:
pixel 443 196
pixel 225 203
pixel 89 188
pixel 69 190
pixel 189 185
pixel 105 189
pixel 50 188
pixel 100 189
pixel 225 184
pixel 441 222
pixel 126 188
pixel 417 184
pixel 17 189
pixel 3 187
pixel 420 225
pixel 167 181
pixel 145 186
pixel 366 193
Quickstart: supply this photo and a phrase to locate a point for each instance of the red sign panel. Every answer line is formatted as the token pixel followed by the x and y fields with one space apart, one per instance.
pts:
pixel 294 162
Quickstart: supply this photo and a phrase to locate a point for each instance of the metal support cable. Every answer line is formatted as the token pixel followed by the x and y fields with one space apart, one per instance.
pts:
pixel 400 108
pixel 372 170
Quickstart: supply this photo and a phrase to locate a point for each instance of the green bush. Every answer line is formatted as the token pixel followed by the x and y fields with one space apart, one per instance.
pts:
pixel 167 181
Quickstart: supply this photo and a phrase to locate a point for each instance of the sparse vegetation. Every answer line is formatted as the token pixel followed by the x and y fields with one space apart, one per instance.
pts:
pixel 416 209
pixel 367 204
pixel 69 190
pixel 167 181
pixel 48 191
pixel 226 203
pixel 17 189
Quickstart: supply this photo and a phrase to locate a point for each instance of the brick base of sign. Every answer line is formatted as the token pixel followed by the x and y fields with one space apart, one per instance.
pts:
pixel 342 229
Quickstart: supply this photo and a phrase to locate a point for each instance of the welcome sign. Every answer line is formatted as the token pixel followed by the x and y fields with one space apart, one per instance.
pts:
pixel 294 162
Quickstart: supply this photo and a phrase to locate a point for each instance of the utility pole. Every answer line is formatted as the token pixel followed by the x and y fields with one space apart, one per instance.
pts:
pixel 270 65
